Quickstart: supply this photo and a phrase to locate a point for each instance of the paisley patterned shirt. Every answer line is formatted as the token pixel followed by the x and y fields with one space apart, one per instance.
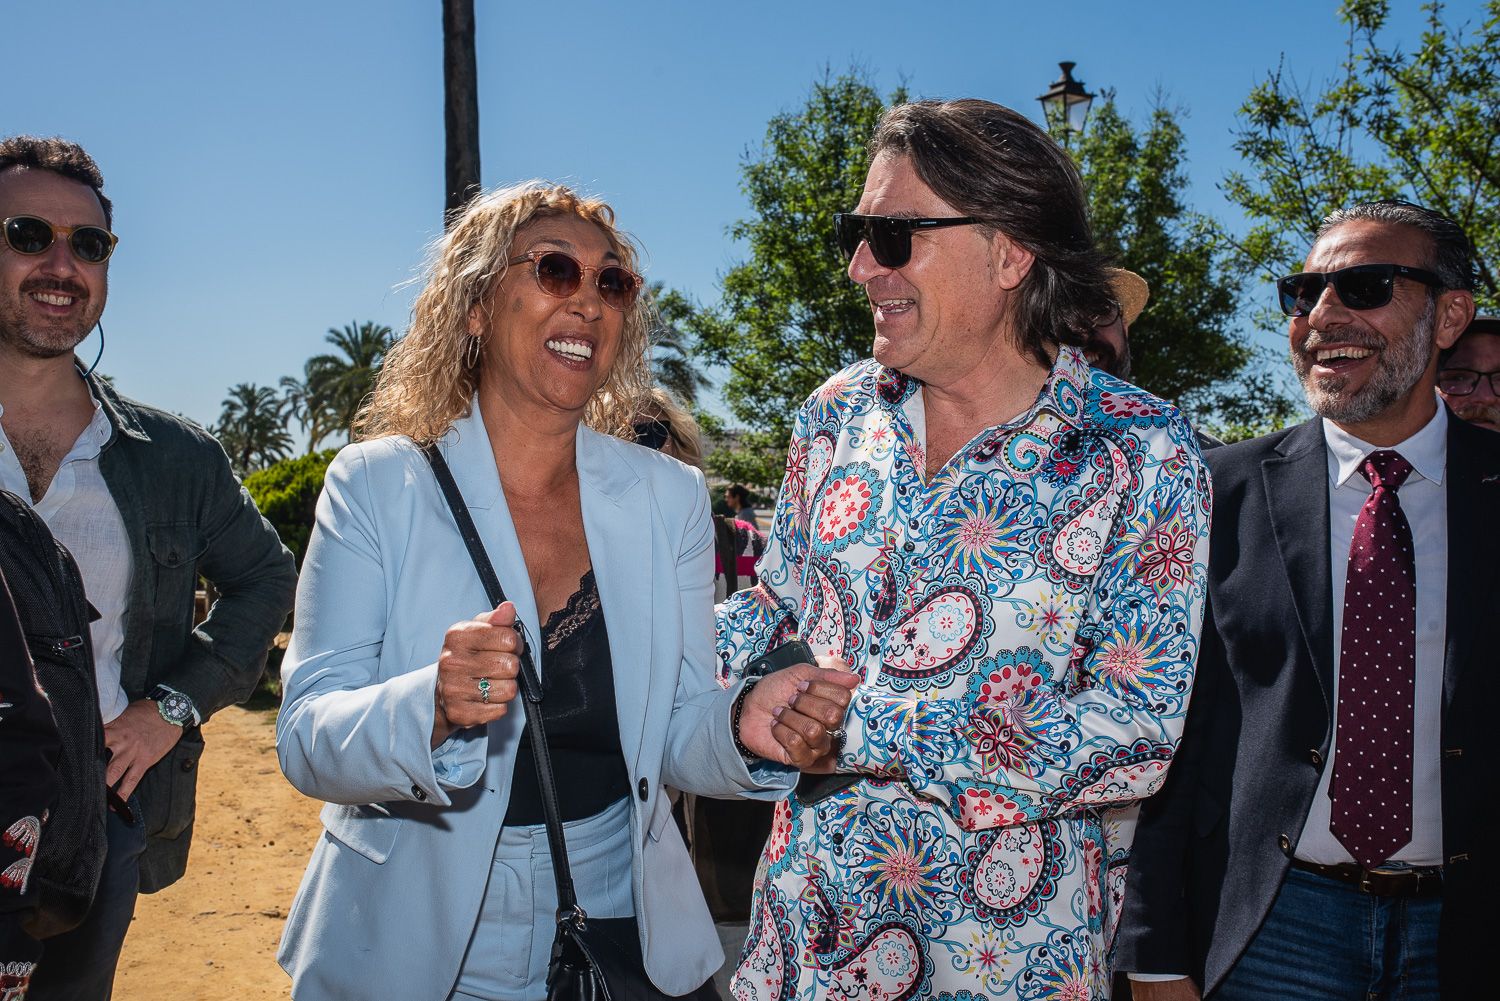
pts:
pixel 1026 625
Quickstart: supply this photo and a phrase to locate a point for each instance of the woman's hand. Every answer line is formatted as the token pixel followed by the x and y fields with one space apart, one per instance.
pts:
pixel 790 715
pixel 477 672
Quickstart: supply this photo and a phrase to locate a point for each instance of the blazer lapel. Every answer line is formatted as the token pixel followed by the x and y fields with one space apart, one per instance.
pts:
pixel 1473 550
pixel 466 446
pixel 1296 483
pixel 617 521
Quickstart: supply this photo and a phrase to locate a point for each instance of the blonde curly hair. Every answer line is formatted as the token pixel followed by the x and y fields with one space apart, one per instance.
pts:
pixel 429 376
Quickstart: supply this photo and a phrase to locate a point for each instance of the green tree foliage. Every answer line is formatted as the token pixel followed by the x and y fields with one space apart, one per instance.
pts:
pixel 671 346
pixel 252 428
pixel 1185 343
pixel 287 495
pixel 1416 124
pixel 789 317
pixel 333 386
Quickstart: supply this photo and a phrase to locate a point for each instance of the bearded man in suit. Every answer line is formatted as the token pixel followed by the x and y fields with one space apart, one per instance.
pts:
pixel 1327 831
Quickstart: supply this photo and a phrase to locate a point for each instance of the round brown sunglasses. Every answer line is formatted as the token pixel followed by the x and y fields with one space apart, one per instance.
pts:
pixel 559 274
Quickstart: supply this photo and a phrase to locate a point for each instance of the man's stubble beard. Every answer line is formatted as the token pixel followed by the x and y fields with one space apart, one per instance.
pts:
pixel 1398 367
pixel 44 342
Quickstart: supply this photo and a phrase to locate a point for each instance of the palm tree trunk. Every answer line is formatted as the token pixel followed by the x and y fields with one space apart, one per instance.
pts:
pixel 460 105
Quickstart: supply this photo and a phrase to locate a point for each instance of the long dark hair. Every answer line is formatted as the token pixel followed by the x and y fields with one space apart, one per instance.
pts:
pixel 988 161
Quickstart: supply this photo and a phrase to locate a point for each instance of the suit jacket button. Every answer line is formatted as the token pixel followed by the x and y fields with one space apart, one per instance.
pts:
pixel 1316 757
pixel 1285 844
pixel 419 794
pixel 644 788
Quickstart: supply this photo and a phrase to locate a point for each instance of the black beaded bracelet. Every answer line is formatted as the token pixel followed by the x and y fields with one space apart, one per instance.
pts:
pixel 734 723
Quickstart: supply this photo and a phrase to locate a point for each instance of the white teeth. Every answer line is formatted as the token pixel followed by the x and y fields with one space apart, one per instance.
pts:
pixel 53 298
pixel 894 303
pixel 573 349
pixel 1329 354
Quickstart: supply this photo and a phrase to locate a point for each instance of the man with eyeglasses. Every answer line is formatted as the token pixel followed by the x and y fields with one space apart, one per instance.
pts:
pixel 145 502
pixel 1469 374
pixel 1008 547
pixel 1328 830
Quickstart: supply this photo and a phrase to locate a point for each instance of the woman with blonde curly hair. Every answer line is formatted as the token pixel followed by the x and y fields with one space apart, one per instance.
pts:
pixel 433 879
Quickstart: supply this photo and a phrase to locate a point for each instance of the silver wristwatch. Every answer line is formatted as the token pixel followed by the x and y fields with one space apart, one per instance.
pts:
pixel 175 707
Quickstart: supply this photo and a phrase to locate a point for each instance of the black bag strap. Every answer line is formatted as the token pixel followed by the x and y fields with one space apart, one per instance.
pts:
pixel 531 690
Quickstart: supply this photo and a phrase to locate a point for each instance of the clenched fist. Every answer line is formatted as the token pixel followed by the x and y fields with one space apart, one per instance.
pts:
pixel 477 672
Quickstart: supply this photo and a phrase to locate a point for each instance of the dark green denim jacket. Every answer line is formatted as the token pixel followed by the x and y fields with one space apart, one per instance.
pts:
pixel 186 514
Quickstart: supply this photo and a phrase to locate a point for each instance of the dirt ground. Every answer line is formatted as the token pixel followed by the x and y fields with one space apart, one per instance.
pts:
pixel 212 936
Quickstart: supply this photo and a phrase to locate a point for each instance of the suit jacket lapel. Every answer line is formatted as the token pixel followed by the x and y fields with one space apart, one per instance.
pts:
pixel 1473 549
pixel 1296 484
pixel 618 525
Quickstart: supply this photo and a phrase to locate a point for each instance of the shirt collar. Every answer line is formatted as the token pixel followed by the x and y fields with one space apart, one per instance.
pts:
pixel 1427 450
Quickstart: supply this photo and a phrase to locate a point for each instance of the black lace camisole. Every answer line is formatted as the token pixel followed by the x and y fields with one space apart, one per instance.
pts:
pixel 578 711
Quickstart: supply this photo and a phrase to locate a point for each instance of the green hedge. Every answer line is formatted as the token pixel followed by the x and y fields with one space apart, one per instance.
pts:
pixel 287 495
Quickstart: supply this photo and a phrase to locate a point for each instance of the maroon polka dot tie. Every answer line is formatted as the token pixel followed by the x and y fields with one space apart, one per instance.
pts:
pixel 1372 767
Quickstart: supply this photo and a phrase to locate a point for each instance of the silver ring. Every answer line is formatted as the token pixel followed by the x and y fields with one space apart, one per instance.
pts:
pixel 484 690
pixel 836 738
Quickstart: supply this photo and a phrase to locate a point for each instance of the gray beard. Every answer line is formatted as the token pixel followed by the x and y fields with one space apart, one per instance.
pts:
pixel 1398 368
pixel 39 343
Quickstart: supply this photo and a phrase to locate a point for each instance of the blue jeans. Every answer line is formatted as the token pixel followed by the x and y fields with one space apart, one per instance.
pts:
pixel 80 965
pixel 1326 941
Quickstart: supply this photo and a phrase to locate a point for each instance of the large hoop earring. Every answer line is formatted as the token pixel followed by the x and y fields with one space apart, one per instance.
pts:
pixel 471 352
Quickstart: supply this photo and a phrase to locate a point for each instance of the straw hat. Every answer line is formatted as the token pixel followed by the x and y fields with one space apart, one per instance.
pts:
pixel 1130 291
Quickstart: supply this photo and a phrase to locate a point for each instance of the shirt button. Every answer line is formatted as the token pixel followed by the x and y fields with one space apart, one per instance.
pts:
pixel 417 792
pixel 643 788
pixel 910 547
pixel 1315 757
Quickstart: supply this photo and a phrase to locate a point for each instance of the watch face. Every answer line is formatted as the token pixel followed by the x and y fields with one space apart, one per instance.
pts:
pixel 175 708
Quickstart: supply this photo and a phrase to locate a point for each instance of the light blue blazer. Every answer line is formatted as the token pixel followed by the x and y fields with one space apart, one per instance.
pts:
pixel 394 886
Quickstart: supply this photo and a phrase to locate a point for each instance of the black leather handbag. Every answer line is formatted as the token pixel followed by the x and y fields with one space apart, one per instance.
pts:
pixel 588 963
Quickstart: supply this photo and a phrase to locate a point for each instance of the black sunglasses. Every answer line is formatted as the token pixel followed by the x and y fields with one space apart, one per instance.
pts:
pixel 1363 286
pixel 653 434
pixel 559 274
pixel 889 236
pixel 27 234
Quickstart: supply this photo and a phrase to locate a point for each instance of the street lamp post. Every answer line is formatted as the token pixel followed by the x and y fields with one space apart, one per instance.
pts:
pixel 1066 103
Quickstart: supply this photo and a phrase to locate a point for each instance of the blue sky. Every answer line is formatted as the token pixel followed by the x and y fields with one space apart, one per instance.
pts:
pixel 277 166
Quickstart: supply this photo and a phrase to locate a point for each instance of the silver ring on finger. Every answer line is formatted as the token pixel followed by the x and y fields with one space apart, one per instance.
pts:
pixel 484 690
pixel 836 738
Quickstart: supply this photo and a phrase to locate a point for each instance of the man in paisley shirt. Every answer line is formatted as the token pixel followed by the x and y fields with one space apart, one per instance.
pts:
pixel 1008 547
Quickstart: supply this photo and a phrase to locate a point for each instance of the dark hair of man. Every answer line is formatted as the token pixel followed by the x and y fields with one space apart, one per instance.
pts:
pixel 738 492
pixel 990 162
pixel 60 156
pixel 1452 257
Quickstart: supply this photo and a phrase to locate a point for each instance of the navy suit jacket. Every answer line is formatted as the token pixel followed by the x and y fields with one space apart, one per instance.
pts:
pixel 1213 847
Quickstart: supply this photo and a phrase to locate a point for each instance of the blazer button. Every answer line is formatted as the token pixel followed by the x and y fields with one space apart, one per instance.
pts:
pixel 1316 757
pixel 416 791
pixel 1285 844
pixel 187 764
pixel 644 788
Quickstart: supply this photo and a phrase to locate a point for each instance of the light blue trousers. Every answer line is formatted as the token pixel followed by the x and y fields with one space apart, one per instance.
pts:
pixel 507 956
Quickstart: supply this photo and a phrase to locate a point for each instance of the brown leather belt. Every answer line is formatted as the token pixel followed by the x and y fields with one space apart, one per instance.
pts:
pixel 1380 882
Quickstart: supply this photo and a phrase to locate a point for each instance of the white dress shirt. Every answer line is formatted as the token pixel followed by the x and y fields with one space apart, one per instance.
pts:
pixel 1425 502
pixel 82 515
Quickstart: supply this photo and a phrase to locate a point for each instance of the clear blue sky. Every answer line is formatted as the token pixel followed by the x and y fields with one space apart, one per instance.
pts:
pixel 277 166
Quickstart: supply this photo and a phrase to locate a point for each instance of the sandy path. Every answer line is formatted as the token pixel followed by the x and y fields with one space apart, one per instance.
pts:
pixel 212 936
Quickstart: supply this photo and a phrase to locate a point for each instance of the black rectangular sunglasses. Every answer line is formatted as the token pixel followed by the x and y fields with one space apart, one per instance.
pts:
pixel 889 236
pixel 1363 286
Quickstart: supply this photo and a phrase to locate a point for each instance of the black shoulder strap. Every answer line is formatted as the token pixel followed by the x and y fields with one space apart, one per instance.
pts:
pixel 531 687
